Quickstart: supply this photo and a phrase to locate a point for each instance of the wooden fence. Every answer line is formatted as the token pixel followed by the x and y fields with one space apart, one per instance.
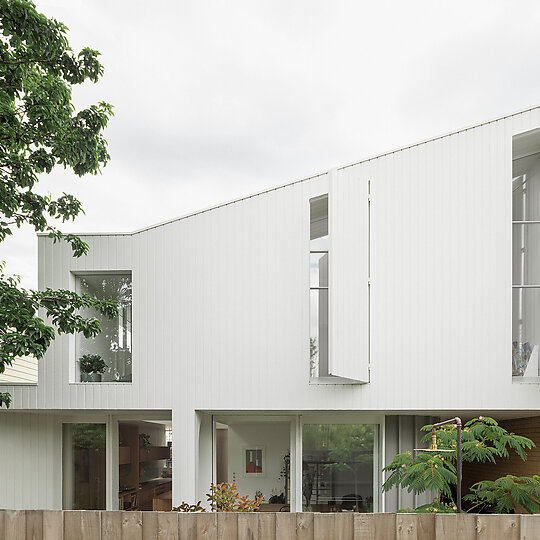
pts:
pixel 97 525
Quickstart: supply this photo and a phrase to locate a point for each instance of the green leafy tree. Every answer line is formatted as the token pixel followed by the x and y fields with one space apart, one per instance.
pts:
pixel 40 128
pixel 482 440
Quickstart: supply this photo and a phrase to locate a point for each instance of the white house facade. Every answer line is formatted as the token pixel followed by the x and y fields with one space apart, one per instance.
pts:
pixel 261 339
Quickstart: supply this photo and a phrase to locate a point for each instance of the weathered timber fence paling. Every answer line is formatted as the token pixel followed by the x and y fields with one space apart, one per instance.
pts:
pixel 101 525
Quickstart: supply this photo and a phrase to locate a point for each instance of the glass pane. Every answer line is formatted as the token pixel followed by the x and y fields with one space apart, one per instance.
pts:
pixel 144 466
pixel 84 467
pixel 318 217
pixel 337 465
pixel 113 344
pixel 256 456
pixel 318 337
pixel 319 244
pixel 525 328
pixel 526 254
pixel 526 198
pixel 518 199
pixel 318 270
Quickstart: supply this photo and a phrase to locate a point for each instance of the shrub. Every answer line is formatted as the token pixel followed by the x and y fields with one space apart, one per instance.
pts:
pixel 185 507
pixel 224 497
pixel 507 493
pixel 92 363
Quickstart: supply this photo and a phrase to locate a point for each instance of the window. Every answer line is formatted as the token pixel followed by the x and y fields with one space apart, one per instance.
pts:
pixel 84 466
pixel 525 263
pixel 318 285
pixel 113 343
pixel 338 467
pixel 256 455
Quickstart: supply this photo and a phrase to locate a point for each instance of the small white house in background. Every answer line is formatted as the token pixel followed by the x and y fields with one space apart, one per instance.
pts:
pixel 266 338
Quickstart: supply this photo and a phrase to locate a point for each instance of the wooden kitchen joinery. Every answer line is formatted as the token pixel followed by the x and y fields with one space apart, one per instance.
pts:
pixel 137 491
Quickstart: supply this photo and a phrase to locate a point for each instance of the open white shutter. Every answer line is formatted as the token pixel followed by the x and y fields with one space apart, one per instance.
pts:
pixel 348 209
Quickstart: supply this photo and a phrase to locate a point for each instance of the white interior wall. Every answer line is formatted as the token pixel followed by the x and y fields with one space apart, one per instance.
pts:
pixel 30 461
pixel 275 438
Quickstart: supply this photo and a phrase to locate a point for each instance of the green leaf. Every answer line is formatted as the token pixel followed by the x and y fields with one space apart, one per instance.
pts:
pixel 39 129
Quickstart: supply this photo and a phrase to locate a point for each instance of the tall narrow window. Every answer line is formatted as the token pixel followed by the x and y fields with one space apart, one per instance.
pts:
pixel 526 266
pixel 318 283
pixel 113 343
pixel 84 467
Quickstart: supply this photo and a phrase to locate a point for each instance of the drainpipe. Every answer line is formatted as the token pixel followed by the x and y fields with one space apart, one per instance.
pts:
pixel 457 422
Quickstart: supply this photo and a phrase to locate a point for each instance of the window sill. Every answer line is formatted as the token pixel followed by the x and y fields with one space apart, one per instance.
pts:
pixel 100 383
pixel 336 381
pixel 525 380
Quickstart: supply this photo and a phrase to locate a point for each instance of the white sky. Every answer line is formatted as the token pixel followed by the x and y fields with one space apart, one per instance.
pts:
pixel 215 100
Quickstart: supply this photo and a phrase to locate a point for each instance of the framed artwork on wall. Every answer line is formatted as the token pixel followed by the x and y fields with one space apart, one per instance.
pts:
pixel 254 461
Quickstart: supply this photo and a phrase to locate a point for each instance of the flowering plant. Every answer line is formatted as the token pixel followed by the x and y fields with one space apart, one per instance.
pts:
pixel 224 497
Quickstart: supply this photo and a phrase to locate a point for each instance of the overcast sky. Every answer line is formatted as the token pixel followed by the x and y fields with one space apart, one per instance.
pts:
pixel 216 100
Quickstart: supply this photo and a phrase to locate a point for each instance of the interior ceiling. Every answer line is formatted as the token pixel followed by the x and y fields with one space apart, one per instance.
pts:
pixel 319 208
pixel 524 164
pixel 525 151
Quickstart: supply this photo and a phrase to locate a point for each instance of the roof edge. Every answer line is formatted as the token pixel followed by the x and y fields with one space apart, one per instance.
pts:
pixel 281 186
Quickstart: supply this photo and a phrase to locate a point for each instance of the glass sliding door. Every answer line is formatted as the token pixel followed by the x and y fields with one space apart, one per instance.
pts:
pixel 338 467
pixel 255 454
pixel 84 458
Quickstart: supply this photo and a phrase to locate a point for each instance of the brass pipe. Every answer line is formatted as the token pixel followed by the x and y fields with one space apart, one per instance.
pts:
pixel 457 422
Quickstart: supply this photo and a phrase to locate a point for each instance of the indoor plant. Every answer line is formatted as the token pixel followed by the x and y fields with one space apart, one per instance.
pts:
pixel 92 366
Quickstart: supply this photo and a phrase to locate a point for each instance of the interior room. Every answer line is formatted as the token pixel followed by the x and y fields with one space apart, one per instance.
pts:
pixel 145 465
pixel 338 462
pixel 255 454
pixel 526 254
pixel 338 467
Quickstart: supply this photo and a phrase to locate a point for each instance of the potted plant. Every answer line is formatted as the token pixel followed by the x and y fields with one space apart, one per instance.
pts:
pixel 92 366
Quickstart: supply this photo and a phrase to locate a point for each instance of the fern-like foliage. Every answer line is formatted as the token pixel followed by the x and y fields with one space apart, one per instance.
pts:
pixel 507 493
pixel 425 472
pixel 482 439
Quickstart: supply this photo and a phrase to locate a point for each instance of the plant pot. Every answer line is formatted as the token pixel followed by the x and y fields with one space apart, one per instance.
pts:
pixel 90 377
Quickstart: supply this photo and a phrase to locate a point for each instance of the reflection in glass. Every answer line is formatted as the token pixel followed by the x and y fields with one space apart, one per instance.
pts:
pixel 84 467
pixel 525 272
pixel 525 254
pixel 337 467
pixel 318 320
pixel 318 269
pixel 525 329
pixel 318 283
pixel 113 344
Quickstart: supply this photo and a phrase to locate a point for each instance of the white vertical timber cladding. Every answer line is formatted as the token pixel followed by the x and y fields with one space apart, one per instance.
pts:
pixel 348 223
pixel 30 451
